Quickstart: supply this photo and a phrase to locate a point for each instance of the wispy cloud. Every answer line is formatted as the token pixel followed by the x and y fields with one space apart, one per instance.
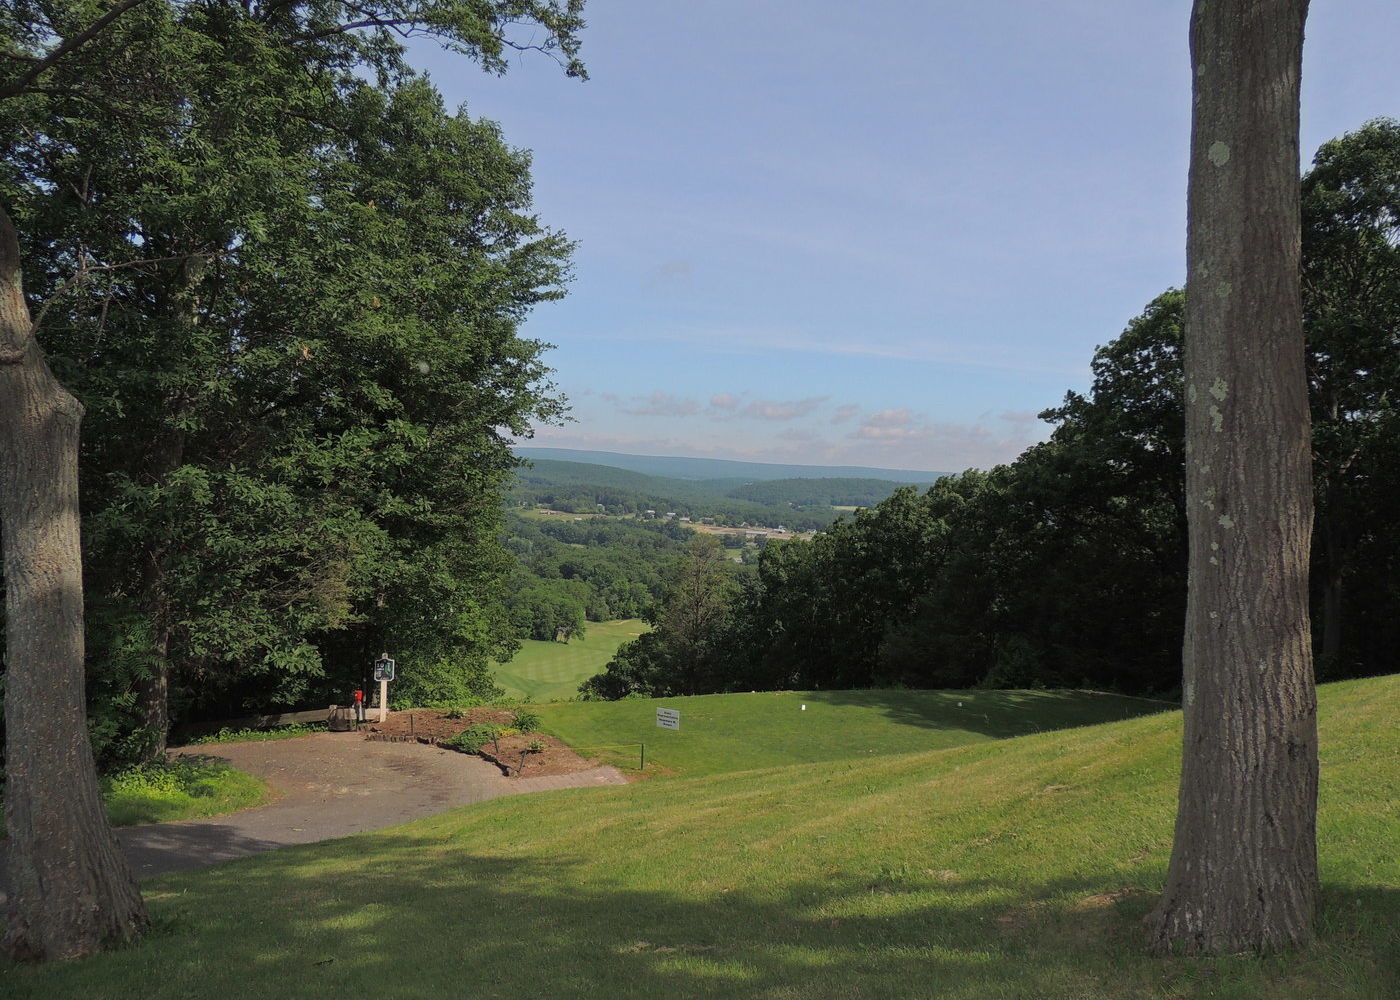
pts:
pixel 750 341
pixel 660 404
pixel 765 409
pixel 721 406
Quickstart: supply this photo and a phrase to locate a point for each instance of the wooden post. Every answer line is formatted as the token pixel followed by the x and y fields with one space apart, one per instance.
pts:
pixel 383 700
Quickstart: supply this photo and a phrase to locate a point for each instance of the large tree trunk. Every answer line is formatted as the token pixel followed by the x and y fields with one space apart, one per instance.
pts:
pixel 70 890
pixel 1243 871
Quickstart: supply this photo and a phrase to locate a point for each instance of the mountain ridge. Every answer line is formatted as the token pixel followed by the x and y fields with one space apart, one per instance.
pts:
pixel 677 467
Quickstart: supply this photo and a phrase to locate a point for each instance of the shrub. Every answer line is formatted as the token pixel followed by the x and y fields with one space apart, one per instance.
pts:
pixel 473 738
pixel 525 721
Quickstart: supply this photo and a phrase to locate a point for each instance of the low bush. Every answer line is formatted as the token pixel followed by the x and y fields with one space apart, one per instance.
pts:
pixel 473 738
pixel 227 735
pixel 525 720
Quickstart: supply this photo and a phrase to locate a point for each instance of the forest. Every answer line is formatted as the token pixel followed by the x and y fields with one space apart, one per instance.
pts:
pixel 572 572
pixel 1067 567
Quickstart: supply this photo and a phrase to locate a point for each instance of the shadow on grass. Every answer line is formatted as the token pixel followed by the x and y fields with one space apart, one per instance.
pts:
pixel 426 919
pixel 998 714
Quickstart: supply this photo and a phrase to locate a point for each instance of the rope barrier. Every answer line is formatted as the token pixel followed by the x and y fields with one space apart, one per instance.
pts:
pixel 620 746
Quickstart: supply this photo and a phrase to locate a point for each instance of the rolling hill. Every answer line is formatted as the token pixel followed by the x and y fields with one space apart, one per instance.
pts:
pixel 715 468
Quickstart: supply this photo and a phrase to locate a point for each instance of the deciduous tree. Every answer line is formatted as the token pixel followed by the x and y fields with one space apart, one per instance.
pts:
pixel 69 890
pixel 1243 872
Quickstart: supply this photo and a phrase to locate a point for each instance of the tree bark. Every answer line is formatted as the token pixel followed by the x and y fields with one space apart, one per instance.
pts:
pixel 70 890
pixel 1243 873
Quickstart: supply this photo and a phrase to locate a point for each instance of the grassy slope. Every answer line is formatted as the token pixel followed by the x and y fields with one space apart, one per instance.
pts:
pixel 1007 869
pixel 549 671
pixel 733 732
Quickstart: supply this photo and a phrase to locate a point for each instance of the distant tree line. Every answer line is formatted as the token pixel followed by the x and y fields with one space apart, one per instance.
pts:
pixel 1068 566
pixel 539 487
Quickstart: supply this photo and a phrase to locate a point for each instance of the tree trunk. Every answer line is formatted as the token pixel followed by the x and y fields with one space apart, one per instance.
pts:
pixel 1243 871
pixel 154 693
pixel 70 890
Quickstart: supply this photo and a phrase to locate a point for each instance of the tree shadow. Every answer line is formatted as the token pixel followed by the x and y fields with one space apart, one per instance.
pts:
pixel 159 849
pixel 998 714
pixel 412 916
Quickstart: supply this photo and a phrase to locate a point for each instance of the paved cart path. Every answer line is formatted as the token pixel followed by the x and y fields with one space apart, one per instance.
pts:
pixel 331 785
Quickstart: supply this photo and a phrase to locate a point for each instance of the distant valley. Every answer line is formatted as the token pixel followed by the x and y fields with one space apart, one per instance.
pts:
pixel 724 493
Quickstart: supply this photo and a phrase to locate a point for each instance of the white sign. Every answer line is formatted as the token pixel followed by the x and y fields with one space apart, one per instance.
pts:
pixel 668 718
pixel 384 669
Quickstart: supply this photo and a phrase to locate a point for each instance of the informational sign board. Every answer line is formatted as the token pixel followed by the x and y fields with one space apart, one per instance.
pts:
pixel 383 669
pixel 668 718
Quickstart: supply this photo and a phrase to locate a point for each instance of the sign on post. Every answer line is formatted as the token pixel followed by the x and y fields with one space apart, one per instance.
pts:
pixel 668 718
pixel 383 673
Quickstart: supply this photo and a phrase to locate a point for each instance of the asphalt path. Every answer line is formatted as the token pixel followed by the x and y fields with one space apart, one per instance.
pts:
pixel 329 785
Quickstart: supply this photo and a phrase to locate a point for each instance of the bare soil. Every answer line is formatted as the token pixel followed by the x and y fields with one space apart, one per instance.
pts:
pixel 514 757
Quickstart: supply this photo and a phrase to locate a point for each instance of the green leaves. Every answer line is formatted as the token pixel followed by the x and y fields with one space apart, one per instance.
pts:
pixel 296 333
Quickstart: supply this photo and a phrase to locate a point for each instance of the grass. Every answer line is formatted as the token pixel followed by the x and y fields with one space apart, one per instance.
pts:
pixel 996 870
pixel 552 671
pixel 736 732
pixel 185 787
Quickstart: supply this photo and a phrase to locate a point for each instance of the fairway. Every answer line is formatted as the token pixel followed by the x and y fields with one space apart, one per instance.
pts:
pixel 1015 868
pixel 552 671
pixel 736 732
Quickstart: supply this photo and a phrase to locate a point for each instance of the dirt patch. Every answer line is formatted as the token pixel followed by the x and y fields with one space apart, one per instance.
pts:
pixel 1101 900
pixel 512 754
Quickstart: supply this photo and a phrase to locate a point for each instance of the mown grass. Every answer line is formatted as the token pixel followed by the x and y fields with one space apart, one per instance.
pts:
pixel 1004 869
pixel 736 732
pixel 184 787
pixel 552 671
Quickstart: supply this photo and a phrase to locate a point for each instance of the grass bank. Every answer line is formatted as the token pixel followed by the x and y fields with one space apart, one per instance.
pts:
pixel 552 671
pixel 737 732
pixel 1015 868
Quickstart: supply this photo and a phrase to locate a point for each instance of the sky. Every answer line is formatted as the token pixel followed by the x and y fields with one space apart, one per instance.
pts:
pixel 883 234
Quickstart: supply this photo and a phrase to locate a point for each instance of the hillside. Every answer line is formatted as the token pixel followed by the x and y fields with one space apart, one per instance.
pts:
pixel 1012 868
pixel 581 488
pixel 736 732
pixel 826 492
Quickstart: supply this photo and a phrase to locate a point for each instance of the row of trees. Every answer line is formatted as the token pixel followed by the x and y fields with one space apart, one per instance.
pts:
pixel 1068 567
pixel 284 283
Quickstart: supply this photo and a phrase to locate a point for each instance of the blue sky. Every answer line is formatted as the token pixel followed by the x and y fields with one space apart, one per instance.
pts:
pixel 881 234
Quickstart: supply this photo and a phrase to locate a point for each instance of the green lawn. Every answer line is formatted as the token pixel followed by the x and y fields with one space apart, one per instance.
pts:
pixel 1015 868
pixel 185 787
pixel 736 732
pixel 552 671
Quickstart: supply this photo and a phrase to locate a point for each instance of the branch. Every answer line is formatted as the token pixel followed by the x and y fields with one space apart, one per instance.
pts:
pixel 19 85
pixel 372 22
pixel 83 272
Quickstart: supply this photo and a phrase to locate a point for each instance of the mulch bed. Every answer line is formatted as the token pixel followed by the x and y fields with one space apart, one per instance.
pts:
pixel 433 727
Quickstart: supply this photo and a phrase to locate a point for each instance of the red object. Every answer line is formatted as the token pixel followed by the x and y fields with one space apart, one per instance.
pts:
pixel 359 697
